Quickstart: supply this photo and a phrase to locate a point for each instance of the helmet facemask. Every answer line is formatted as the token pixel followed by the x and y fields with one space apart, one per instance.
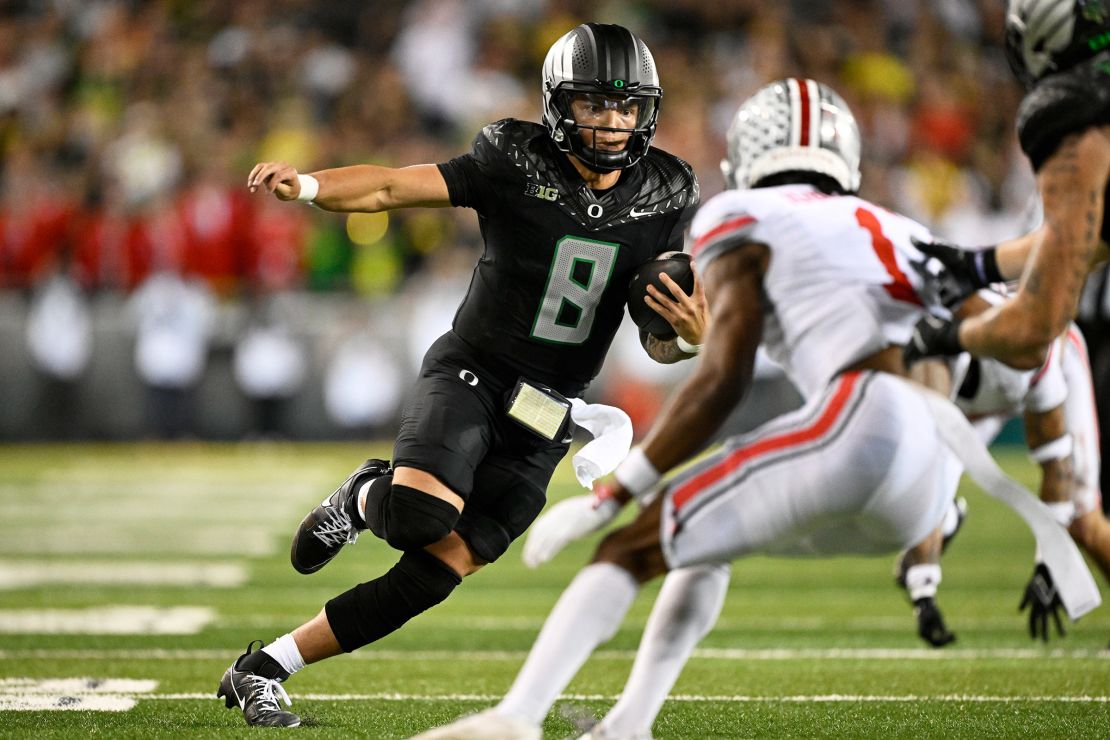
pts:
pixel 583 112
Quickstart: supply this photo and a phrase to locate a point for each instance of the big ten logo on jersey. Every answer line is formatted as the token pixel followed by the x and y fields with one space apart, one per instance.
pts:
pixel 542 192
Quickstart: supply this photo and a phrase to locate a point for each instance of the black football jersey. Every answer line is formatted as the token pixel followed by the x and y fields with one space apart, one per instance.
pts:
pixel 1062 104
pixel 549 291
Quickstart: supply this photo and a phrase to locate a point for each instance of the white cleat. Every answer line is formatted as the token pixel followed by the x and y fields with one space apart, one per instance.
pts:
pixel 485 725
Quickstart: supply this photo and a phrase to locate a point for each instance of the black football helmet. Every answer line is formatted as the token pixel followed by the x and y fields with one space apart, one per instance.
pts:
pixel 1048 36
pixel 606 60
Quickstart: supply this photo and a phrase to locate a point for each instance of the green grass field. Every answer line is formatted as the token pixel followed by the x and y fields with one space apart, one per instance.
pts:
pixel 148 569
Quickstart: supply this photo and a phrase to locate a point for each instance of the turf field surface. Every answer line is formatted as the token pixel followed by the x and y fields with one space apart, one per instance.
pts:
pixel 132 575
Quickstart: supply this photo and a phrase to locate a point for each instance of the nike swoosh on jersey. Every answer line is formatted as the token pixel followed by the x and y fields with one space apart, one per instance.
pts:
pixel 639 214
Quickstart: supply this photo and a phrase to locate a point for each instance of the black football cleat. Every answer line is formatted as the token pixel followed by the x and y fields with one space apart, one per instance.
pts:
pixel 256 690
pixel 334 523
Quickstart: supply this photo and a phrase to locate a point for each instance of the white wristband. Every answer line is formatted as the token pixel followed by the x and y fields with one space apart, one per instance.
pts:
pixel 690 349
pixel 1057 449
pixel 636 473
pixel 310 187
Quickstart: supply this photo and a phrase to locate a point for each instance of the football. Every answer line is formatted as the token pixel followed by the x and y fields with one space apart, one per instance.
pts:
pixel 677 266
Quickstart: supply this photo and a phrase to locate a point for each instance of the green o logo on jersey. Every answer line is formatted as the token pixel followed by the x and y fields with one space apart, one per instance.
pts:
pixel 618 84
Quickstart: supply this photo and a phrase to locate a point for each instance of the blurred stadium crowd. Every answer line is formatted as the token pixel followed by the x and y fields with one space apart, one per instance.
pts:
pixel 127 129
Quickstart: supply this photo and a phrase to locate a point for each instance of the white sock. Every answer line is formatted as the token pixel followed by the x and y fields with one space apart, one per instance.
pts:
pixel 284 650
pixel 686 609
pixel 586 615
pixel 951 519
pixel 922 580
pixel 363 490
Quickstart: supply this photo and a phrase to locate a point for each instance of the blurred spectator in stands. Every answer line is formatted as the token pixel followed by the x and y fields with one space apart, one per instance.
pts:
pixel 269 363
pixel 174 322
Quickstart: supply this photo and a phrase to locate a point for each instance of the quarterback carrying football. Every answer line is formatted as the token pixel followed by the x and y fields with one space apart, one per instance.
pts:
pixel 568 210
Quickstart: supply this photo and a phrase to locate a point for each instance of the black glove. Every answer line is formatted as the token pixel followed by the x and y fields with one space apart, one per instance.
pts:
pixel 930 623
pixel 965 270
pixel 1043 599
pixel 933 336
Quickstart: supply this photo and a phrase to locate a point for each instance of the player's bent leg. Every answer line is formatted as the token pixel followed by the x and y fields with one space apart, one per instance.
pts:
pixel 1092 532
pixel 374 609
pixel 336 521
pixel 685 610
pixel 417 510
pixel 919 573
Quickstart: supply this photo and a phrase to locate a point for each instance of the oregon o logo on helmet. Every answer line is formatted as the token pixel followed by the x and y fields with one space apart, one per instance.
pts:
pixel 618 84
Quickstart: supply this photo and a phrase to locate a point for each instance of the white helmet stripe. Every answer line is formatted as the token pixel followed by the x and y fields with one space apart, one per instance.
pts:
pixel 793 86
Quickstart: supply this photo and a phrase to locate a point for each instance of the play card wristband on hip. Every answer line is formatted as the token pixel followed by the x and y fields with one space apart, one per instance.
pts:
pixel 636 474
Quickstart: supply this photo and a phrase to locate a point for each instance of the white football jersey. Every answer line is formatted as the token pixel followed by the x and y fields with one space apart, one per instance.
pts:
pixel 840 285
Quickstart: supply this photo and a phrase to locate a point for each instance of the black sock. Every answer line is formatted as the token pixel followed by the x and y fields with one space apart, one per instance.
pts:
pixel 263 664
pixel 372 610
pixel 372 496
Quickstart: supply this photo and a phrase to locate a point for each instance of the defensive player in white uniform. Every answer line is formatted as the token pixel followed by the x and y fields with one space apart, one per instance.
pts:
pixel 823 278
pixel 1056 404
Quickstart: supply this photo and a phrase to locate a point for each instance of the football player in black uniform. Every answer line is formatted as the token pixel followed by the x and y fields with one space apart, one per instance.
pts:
pixel 568 209
pixel 1060 50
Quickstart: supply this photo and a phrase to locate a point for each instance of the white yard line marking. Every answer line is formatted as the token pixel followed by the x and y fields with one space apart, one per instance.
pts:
pixel 819 698
pixel 32 573
pixel 37 703
pixel 111 620
pixel 77 685
pixel 72 694
pixel 738 654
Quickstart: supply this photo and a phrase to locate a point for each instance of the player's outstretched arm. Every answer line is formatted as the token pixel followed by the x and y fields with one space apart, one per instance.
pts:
pixel 366 187
pixel 1071 183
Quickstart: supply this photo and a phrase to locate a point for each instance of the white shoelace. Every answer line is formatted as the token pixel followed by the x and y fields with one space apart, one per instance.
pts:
pixel 268 690
pixel 336 530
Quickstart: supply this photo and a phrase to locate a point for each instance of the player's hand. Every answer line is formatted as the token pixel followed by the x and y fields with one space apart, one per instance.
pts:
pixel 567 521
pixel 960 276
pixel 1043 600
pixel 278 178
pixel 688 315
pixel 930 623
pixel 933 337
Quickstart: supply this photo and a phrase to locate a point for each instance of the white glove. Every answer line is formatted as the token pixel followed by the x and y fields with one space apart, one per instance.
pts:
pixel 567 521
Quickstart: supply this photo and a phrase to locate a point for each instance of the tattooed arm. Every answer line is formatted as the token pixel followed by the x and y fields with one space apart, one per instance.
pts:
pixel 1071 184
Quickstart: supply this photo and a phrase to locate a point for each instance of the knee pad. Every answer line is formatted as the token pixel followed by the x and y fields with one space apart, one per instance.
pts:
pixel 372 610
pixel 407 518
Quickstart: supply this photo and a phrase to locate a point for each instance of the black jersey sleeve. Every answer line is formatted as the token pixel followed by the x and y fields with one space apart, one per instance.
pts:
pixel 1062 104
pixel 682 224
pixel 475 179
